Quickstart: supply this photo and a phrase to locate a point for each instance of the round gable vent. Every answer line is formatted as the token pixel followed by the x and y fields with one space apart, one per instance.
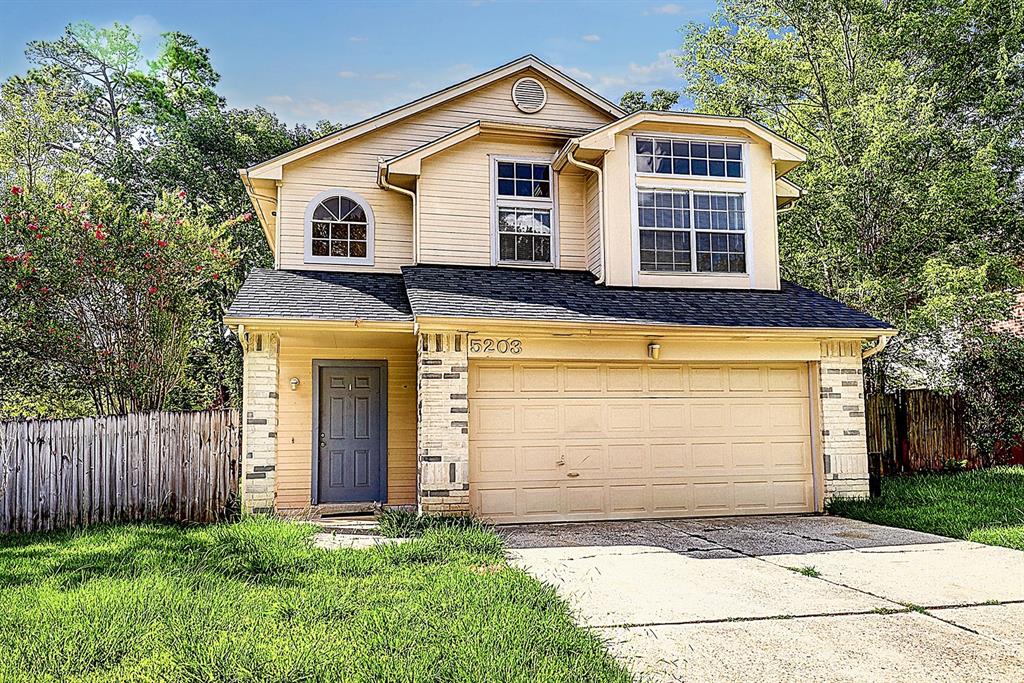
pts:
pixel 529 95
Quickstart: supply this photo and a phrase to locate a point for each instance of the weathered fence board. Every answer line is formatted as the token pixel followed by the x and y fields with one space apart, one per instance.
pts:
pixel 917 430
pixel 58 474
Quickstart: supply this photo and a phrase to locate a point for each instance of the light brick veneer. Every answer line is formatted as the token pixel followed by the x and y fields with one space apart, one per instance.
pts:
pixel 259 433
pixel 442 373
pixel 843 436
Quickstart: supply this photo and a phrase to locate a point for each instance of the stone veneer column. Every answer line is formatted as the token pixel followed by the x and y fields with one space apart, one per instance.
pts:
pixel 259 430
pixel 442 374
pixel 843 435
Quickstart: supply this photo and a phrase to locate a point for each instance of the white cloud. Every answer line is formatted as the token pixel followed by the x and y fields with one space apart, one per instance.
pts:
pixel 347 74
pixel 661 67
pixel 577 73
pixel 591 38
pixel 658 72
pixel 356 39
pixel 146 26
pixel 385 76
pixel 669 8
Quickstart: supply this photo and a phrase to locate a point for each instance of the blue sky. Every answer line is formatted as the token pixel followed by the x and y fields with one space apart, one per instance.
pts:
pixel 345 61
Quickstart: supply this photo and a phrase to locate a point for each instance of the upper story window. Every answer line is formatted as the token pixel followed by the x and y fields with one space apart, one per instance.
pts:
pixel 339 229
pixel 524 230
pixel 691 231
pixel 670 156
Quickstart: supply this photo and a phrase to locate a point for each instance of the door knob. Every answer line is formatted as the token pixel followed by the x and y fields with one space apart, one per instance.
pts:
pixel 573 474
pixel 560 463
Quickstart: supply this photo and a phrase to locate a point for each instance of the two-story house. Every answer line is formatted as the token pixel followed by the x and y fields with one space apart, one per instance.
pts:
pixel 511 298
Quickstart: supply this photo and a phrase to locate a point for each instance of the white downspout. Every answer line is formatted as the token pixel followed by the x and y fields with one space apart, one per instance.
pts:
pixel 883 341
pixel 600 206
pixel 383 182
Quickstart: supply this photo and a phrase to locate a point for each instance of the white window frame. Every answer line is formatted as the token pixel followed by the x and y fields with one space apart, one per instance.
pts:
pixel 654 182
pixel 742 142
pixel 308 229
pixel 498 202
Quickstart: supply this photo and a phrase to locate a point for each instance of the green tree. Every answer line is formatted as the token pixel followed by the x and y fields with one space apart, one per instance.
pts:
pixel 660 100
pixel 92 119
pixel 913 208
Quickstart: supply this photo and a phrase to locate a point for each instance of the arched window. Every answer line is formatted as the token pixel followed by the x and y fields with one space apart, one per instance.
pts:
pixel 339 229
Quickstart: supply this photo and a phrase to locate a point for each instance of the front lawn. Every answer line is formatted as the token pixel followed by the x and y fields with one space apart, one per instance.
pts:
pixel 986 506
pixel 254 601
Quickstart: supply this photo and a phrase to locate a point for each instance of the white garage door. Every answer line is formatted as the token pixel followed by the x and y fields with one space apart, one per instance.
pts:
pixel 579 441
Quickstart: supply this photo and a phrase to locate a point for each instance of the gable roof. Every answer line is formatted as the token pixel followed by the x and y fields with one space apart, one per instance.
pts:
pixel 408 163
pixel 785 152
pixel 271 168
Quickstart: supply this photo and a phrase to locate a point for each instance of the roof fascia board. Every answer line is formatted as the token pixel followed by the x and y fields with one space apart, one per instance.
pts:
pixel 409 163
pixel 309 323
pixel 603 139
pixel 261 170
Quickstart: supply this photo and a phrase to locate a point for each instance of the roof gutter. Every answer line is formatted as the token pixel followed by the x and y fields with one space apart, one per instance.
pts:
pixel 570 156
pixel 382 180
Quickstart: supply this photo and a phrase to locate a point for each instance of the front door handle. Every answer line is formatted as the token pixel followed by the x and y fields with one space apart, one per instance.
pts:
pixel 573 474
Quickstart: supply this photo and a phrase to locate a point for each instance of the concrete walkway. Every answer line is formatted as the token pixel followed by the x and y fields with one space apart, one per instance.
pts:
pixel 786 598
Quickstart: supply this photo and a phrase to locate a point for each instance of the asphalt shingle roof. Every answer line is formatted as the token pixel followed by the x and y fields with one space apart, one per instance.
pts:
pixel 572 296
pixel 319 295
pixel 521 294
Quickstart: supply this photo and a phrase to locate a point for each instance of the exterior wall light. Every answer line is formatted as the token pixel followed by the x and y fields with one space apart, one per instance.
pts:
pixel 653 351
pixel 294 382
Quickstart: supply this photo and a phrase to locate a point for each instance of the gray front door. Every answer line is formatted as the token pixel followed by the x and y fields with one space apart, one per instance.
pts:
pixel 350 441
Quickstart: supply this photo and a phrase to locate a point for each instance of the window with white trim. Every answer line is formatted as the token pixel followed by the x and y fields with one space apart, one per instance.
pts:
pixel 339 229
pixel 691 231
pixel 524 212
pixel 703 158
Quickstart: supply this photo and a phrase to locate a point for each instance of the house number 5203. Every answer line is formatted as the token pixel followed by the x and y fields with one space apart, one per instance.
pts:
pixel 487 345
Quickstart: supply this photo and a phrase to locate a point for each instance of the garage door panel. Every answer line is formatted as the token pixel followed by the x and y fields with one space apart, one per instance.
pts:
pixel 673 497
pixel 591 440
pixel 668 459
pixel 625 498
pixel 624 378
pixel 585 499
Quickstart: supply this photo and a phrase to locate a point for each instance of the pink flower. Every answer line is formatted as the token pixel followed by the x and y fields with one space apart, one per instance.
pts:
pixel 216 276
pixel 7 220
pixel 181 194
pixel 247 216
pixel 152 290
pixel 100 235
pixel 161 243
pixel 16 190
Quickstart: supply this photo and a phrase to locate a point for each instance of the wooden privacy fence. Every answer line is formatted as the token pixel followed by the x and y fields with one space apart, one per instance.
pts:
pixel 917 430
pixel 58 474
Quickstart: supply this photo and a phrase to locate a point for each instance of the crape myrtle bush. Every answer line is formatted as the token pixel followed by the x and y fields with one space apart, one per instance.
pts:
pixel 112 300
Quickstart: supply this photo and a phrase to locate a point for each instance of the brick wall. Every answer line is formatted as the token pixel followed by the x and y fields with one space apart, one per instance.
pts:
pixel 442 372
pixel 843 438
pixel 259 433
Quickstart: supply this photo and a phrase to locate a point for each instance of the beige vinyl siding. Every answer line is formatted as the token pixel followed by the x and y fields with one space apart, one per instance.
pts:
pixel 295 411
pixel 592 226
pixel 572 229
pixel 456 202
pixel 353 165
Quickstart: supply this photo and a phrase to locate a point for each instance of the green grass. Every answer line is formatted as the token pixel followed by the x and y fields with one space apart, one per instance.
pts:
pixel 254 601
pixel 399 523
pixel 986 506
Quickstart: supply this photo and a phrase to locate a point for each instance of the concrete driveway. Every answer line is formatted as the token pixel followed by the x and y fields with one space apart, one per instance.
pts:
pixel 786 598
